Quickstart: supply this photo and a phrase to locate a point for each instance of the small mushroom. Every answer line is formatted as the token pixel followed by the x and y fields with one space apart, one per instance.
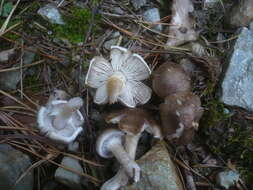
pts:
pixel 119 79
pixel 180 114
pixel 109 144
pixel 133 122
pixel 61 120
pixel 182 24
pixel 170 78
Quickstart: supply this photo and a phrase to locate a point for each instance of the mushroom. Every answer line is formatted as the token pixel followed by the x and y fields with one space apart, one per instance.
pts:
pixel 133 122
pixel 170 78
pixel 182 23
pixel 119 79
pixel 60 119
pixel 109 144
pixel 180 114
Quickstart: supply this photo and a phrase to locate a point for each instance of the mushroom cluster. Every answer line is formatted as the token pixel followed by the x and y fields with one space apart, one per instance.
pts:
pixel 60 119
pixel 122 143
pixel 120 78
pixel 181 110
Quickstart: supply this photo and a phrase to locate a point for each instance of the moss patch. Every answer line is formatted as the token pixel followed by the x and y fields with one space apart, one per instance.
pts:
pixel 229 136
pixel 76 24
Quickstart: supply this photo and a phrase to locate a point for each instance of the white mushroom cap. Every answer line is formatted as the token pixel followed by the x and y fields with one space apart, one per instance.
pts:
pixel 105 139
pixel 71 126
pixel 126 67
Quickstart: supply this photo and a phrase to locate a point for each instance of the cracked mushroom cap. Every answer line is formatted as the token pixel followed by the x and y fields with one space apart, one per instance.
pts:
pixel 120 79
pixel 105 139
pixel 170 78
pixel 180 114
pixel 134 121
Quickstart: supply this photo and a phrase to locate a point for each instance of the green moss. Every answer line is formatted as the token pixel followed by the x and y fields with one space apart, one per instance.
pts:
pixel 229 136
pixel 216 112
pixel 76 25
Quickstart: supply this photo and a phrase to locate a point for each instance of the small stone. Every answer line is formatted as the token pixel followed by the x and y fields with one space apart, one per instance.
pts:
pixel 153 15
pixel 6 54
pixel 137 4
pixel 68 178
pixel 9 80
pixel 118 10
pixel 109 43
pixel 227 178
pixel 113 41
pixel 158 171
pixel 51 13
pixel 237 85
pixel 13 164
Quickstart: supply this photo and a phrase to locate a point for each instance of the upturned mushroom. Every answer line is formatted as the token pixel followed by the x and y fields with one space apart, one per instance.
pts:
pixel 133 122
pixel 61 120
pixel 180 114
pixel 109 144
pixel 182 23
pixel 170 78
pixel 120 79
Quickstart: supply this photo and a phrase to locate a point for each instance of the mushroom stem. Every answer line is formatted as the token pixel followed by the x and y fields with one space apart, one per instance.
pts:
pixel 129 165
pixel 115 84
pixel 121 178
pixel 131 142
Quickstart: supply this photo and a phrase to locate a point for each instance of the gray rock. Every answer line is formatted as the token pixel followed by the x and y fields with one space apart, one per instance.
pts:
pixel 251 26
pixel 69 178
pixel 153 15
pixel 51 13
pixel 237 85
pixel 112 41
pixel 227 178
pixel 158 171
pixel 6 54
pixel 109 43
pixel 9 80
pixel 13 164
pixel 137 4
pixel 241 14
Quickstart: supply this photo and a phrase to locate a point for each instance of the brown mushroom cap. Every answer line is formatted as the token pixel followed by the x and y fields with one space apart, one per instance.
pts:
pixel 170 78
pixel 134 121
pixel 180 114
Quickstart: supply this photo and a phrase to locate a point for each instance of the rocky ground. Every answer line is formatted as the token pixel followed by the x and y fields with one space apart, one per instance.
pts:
pixel 47 45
